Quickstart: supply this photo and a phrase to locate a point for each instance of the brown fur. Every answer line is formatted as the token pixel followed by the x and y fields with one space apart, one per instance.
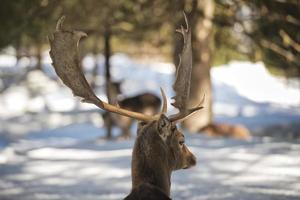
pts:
pixel 146 103
pixel 159 149
pixel 147 192
pixel 227 130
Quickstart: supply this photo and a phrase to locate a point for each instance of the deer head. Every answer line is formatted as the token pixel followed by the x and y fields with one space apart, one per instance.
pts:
pixel 159 148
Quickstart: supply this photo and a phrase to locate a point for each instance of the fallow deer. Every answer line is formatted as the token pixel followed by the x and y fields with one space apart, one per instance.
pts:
pixel 159 147
pixel 146 103
pixel 236 131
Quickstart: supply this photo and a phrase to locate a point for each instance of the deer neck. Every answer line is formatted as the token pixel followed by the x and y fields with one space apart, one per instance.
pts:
pixel 150 163
pixel 162 179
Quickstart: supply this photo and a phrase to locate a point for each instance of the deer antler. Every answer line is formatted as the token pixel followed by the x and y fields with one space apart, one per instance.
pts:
pixel 64 54
pixel 183 78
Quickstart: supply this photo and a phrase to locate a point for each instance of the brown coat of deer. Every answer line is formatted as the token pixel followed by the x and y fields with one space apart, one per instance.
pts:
pixel 159 147
pixel 145 103
pixel 227 130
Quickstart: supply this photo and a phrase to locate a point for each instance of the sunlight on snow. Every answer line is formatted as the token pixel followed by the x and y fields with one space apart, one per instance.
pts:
pixel 8 61
pixel 14 101
pixel 12 191
pixel 239 87
pixel 76 154
pixel 253 81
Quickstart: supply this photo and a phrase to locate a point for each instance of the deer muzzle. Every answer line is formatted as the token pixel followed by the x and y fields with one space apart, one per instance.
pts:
pixel 190 159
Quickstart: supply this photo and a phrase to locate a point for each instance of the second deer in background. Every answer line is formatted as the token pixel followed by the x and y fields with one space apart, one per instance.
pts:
pixel 145 103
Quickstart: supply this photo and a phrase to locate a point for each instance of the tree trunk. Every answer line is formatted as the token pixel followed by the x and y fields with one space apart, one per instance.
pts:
pixel 107 54
pixel 18 51
pixel 96 67
pixel 202 26
pixel 39 57
pixel 298 70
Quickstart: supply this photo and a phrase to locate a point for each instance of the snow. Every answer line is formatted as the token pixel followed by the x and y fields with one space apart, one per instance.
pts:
pixel 51 145
pixel 7 61
pixel 253 81
pixel 240 87
pixel 89 169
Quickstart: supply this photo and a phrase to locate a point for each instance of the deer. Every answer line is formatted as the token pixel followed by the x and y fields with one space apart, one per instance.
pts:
pixel 143 103
pixel 159 147
pixel 237 131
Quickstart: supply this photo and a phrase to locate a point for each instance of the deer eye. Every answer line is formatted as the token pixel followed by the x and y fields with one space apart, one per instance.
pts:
pixel 181 142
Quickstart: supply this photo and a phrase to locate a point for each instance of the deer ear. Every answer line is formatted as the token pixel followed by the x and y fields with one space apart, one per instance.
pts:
pixel 164 127
pixel 141 125
pixel 163 121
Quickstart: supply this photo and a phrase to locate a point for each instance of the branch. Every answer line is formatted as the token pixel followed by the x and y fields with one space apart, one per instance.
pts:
pixel 274 47
pixel 287 40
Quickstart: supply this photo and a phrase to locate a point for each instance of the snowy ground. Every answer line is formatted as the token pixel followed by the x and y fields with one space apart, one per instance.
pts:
pixel 66 163
pixel 50 146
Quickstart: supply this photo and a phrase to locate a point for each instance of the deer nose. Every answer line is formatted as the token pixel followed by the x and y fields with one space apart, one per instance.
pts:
pixel 192 160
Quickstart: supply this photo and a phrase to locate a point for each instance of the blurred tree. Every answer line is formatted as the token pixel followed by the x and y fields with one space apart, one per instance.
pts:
pixel 222 30
pixel 236 29
pixel 201 20
pixel 276 32
pixel 270 30
pixel 26 23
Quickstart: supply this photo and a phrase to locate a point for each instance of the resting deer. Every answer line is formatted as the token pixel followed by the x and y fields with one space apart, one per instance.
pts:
pixel 159 147
pixel 227 130
pixel 146 103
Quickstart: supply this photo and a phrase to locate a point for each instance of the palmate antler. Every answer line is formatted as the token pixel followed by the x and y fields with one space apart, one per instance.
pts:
pixel 64 54
pixel 183 78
